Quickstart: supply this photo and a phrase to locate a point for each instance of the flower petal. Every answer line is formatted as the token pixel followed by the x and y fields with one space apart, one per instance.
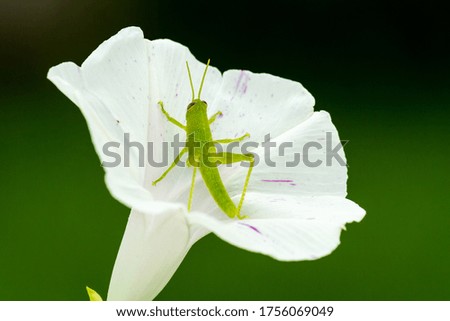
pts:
pixel 287 228
pixel 152 249
pixel 328 178
pixel 111 90
pixel 259 104
pixel 169 83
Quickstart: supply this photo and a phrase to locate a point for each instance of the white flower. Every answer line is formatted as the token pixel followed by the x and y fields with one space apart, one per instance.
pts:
pixel 294 213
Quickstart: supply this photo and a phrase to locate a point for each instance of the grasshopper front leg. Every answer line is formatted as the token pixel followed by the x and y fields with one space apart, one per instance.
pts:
pixel 213 117
pixel 170 118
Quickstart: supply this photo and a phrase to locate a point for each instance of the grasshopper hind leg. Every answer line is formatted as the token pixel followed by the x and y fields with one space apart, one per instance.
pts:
pixel 228 158
pixel 244 190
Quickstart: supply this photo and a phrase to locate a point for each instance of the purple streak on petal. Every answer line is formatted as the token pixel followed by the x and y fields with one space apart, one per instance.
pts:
pixel 239 79
pixel 278 180
pixel 252 227
pixel 292 184
pixel 244 85
pixel 241 84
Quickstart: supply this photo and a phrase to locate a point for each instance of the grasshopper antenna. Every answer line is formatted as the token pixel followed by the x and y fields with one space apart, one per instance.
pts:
pixel 203 79
pixel 190 80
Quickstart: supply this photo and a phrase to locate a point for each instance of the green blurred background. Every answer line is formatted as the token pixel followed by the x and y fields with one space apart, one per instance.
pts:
pixel 380 68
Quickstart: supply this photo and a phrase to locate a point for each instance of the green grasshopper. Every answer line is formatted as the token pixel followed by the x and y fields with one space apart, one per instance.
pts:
pixel 199 136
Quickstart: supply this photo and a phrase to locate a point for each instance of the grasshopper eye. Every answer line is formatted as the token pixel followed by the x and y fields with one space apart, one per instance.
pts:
pixel 190 105
pixel 205 102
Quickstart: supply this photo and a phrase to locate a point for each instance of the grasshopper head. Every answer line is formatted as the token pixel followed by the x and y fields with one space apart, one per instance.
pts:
pixel 197 102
